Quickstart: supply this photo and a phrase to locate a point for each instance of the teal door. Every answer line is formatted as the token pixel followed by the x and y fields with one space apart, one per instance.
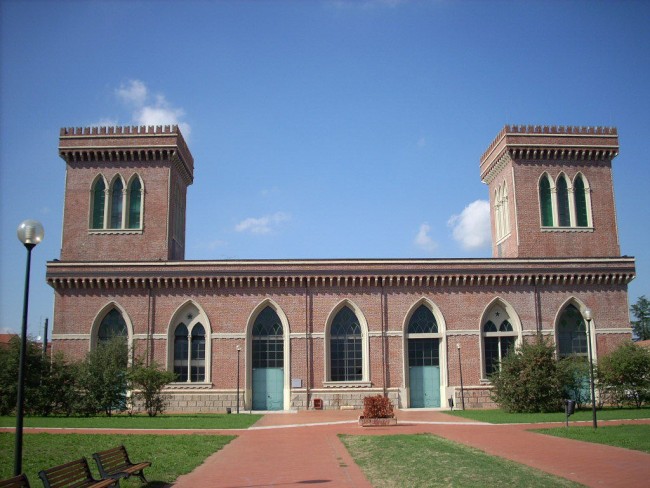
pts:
pixel 424 373
pixel 425 386
pixel 268 361
pixel 268 388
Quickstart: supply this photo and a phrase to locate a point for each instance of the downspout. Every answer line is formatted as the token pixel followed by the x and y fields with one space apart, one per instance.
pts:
pixel 383 339
pixel 307 329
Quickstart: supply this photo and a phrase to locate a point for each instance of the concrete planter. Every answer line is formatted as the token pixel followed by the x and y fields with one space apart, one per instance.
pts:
pixel 372 422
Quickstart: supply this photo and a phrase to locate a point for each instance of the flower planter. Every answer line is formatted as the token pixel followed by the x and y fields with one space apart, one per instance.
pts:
pixel 375 422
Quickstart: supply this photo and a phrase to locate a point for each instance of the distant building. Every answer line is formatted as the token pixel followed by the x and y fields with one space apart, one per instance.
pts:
pixel 5 339
pixel 337 330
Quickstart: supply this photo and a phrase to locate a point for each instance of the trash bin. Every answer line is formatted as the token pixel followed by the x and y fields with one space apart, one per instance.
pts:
pixel 228 410
pixel 318 404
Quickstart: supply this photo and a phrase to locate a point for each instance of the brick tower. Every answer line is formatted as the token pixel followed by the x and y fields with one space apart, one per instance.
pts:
pixel 125 193
pixel 551 191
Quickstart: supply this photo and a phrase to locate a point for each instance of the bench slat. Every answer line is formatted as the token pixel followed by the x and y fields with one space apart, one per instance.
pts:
pixel 115 463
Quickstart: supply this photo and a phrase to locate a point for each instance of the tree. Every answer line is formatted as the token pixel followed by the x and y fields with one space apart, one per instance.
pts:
pixel 529 379
pixel 147 383
pixel 9 362
pixel 103 378
pixel 624 375
pixel 641 311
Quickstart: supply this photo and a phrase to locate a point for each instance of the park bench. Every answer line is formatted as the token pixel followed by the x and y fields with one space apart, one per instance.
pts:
pixel 19 481
pixel 76 473
pixel 115 463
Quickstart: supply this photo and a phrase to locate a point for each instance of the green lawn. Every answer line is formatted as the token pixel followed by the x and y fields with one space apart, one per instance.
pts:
pixel 635 437
pixel 425 460
pixel 207 421
pixel 171 455
pixel 501 417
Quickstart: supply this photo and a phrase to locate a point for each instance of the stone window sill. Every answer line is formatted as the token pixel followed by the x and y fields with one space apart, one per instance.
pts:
pixel 348 384
pixel 114 231
pixel 567 229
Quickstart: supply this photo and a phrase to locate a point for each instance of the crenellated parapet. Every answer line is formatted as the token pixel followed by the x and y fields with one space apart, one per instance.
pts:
pixel 536 142
pixel 127 144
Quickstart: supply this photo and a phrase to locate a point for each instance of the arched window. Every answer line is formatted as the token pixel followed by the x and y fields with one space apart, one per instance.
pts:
pixel 571 333
pixel 189 353
pixel 181 350
pixel 498 340
pixel 98 204
pixel 116 204
pixel 563 213
pixel 546 205
pixel 197 361
pixel 112 325
pixel 346 356
pixel 422 321
pixel 580 196
pixel 135 203
pixel 268 340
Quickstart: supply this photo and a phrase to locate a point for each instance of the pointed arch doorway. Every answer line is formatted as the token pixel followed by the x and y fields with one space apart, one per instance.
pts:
pixel 423 359
pixel 268 361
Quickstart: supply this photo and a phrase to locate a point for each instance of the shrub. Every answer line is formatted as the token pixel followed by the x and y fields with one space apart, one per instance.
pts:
pixel 574 375
pixel 148 383
pixel 103 378
pixel 529 379
pixel 377 407
pixel 624 375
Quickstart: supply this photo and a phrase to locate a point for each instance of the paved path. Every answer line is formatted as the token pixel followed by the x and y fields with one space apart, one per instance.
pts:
pixel 299 449
pixel 292 450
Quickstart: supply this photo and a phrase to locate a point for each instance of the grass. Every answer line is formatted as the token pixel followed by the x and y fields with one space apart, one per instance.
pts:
pixel 425 460
pixel 171 456
pixel 207 421
pixel 635 437
pixel 500 417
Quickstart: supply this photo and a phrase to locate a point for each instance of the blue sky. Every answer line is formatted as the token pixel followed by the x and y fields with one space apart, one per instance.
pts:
pixel 319 129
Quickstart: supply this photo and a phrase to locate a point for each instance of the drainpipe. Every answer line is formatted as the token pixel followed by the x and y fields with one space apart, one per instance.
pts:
pixel 383 338
pixel 307 329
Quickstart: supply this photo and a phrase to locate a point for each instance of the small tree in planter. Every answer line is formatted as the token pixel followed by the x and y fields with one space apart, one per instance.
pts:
pixel 377 410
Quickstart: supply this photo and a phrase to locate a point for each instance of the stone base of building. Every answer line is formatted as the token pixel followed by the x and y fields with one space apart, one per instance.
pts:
pixel 475 397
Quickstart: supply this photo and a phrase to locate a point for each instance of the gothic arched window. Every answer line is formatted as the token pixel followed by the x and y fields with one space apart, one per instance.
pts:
pixel 346 347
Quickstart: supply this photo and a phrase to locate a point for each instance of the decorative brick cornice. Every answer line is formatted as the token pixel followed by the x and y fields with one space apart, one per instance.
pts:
pixel 97 145
pixel 538 142
pixel 342 273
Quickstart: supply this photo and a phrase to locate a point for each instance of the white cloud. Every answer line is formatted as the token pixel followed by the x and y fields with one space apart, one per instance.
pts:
pixel 149 109
pixel 134 92
pixel 262 225
pixel 472 227
pixel 423 240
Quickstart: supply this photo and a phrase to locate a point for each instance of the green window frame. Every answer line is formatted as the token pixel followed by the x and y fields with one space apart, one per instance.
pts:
pixel 571 333
pixel 563 214
pixel 546 206
pixel 135 203
pixel 98 204
pixel 112 325
pixel 181 352
pixel 116 204
pixel 268 340
pixel 422 321
pixel 580 197
pixel 346 348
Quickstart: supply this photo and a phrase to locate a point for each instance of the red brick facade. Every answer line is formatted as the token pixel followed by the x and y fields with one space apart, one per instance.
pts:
pixel 543 272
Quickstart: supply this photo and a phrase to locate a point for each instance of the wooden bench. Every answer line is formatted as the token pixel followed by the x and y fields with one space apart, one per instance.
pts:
pixel 19 481
pixel 115 463
pixel 76 473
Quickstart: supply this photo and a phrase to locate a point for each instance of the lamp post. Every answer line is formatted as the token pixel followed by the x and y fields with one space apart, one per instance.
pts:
pixel 30 233
pixel 587 315
pixel 460 368
pixel 238 352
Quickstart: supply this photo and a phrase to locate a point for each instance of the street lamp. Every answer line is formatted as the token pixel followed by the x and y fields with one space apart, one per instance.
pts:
pixel 460 368
pixel 587 315
pixel 30 233
pixel 238 352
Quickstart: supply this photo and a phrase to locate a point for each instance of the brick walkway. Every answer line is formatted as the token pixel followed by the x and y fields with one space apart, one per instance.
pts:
pixel 297 449
pixel 284 450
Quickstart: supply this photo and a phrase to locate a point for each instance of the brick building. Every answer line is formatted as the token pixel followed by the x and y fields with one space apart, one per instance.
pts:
pixel 337 330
